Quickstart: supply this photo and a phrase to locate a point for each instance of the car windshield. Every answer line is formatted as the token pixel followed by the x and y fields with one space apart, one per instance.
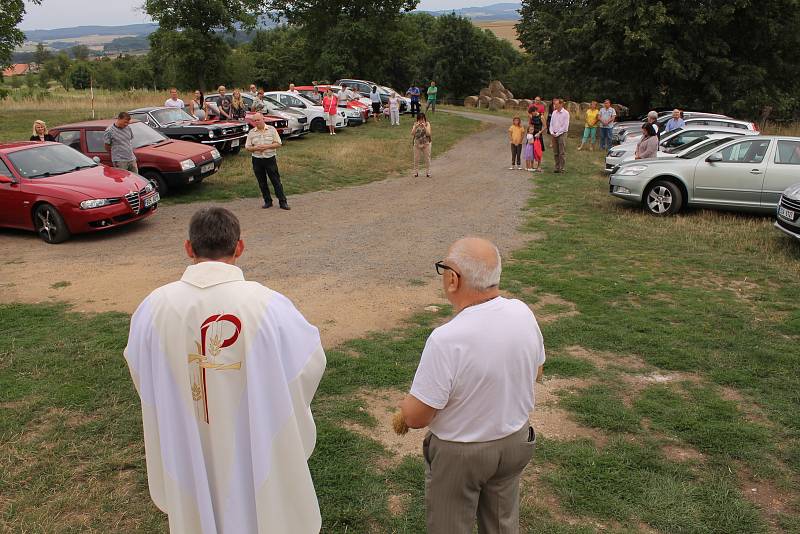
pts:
pixel 48 160
pixel 275 104
pixel 171 115
pixel 314 96
pixel 705 147
pixel 143 135
pixel 690 142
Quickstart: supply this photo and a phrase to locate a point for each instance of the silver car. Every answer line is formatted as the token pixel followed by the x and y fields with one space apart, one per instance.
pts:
pixel 788 213
pixel 747 173
pixel 670 143
pixel 623 129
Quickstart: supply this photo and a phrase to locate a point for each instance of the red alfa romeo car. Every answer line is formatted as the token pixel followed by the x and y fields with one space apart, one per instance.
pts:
pixel 57 191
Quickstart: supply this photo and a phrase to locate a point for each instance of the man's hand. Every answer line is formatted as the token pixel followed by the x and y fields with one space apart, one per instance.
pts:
pixel 416 413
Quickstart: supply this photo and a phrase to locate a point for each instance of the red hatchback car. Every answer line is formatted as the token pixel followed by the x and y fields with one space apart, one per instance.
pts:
pixel 57 191
pixel 165 162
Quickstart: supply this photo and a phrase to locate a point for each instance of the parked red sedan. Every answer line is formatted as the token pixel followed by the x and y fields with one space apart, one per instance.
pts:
pixel 57 191
pixel 165 162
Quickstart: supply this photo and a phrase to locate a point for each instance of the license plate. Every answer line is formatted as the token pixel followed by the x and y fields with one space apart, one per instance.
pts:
pixel 234 143
pixel 786 214
pixel 207 167
pixel 149 201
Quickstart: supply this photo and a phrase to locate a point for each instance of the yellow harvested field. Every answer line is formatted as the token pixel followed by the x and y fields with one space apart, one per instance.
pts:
pixel 504 29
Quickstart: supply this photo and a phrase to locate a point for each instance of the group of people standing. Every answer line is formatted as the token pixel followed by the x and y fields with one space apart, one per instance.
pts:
pixel 529 142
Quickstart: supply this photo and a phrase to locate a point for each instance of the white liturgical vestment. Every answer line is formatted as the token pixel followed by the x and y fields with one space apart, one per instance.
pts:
pixel 226 370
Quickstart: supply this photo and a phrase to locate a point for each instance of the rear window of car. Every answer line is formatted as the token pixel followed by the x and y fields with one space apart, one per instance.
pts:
pixel 788 153
pixel 95 141
pixel 70 138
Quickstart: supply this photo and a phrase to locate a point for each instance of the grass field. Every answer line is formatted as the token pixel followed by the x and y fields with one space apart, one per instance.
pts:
pixel 504 29
pixel 315 162
pixel 672 349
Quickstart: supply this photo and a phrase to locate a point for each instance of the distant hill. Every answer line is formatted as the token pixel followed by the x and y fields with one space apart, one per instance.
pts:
pixel 82 31
pixel 503 11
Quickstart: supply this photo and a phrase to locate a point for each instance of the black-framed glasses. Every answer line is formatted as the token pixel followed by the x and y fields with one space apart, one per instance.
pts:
pixel 441 268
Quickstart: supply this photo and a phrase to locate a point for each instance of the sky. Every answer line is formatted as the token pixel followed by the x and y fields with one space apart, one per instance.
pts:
pixel 66 13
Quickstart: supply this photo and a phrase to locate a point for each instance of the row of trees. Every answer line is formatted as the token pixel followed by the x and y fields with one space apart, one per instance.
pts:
pixel 736 57
pixel 449 49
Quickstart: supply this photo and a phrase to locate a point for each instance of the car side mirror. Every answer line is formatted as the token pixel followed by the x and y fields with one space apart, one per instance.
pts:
pixel 715 157
pixel 6 179
pixel 96 159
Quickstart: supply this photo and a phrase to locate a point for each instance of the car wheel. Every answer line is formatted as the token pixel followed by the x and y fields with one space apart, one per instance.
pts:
pixel 318 125
pixel 50 224
pixel 158 181
pixel 663 198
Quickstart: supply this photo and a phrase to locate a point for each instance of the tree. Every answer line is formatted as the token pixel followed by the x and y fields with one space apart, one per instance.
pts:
pixel 480 56
pixel 41 55
pixel 56 68
pixel 10 36
pixel 80 75
pixel 80 52
pixel 670 52
pixel 195 41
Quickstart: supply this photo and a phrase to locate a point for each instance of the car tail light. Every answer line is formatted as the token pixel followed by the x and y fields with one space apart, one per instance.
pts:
pixel 755 127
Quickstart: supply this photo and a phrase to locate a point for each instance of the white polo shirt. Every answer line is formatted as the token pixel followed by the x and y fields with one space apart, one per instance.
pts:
pixel 479 371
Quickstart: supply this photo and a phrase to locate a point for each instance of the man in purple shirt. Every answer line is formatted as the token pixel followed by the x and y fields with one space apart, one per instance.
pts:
pixel 559 126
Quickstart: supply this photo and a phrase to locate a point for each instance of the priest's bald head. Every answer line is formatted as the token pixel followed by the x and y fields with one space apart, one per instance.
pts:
pixel 214 235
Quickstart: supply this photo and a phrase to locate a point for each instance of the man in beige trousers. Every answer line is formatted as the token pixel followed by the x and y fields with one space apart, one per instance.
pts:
pixel 474 389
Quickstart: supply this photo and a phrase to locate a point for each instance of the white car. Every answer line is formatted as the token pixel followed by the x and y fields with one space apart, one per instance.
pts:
pixel 724 122
pixel 670 143
pixel 317 118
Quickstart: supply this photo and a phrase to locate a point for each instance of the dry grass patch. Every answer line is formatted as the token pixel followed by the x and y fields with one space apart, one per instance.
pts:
pixel 764 493
pixel 606 360
pixel 682 453
pixel 381 405
pixel 549 308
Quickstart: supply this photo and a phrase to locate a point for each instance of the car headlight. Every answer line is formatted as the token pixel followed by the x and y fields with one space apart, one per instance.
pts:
pixel 95 203
pixel 211 134
pixel 187 164
pixel 246 127
pixel 215 154
pixel 616 154
pixel 149 188
pixel 632 170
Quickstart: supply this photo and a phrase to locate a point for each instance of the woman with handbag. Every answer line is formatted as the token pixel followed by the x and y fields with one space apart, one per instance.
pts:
pixel 421 142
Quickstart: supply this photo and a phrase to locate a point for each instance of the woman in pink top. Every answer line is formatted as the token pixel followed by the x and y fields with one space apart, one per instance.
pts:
pixel 330 104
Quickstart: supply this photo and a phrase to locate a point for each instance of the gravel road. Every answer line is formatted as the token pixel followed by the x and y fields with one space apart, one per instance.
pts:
pixel 353 260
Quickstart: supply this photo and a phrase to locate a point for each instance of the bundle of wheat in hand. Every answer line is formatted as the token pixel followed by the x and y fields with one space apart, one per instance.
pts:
pixel 399 423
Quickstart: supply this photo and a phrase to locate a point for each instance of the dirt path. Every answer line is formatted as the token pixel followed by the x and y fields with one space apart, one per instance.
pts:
pixel 352 260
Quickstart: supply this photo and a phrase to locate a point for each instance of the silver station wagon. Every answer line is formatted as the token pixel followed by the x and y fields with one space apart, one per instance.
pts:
pixel 730 173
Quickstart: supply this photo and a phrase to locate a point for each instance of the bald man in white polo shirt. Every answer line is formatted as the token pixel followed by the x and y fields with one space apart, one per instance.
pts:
pixel 474 390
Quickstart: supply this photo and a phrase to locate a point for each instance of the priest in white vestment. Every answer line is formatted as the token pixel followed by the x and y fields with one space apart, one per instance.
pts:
pixel 226 370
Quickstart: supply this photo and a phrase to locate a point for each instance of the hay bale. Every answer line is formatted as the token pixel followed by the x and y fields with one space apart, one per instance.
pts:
pixel 512 103
pixel 471 102
pixel 483 101
pixel 485 92
pixel 509 95
pixel 524 103
pixel 496 89
pixel 573 108
pixel 496 103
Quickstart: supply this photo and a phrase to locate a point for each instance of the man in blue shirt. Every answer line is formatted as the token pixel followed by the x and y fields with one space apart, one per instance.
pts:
pixel 413 93
pixel 675 122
